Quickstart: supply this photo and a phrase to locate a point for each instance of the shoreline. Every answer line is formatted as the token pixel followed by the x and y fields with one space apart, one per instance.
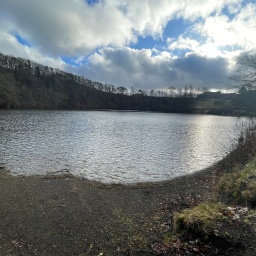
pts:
pixel 69 216
pixel 66 174
pixel 204 112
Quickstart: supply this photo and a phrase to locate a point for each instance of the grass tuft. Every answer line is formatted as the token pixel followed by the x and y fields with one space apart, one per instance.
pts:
pixel 202 216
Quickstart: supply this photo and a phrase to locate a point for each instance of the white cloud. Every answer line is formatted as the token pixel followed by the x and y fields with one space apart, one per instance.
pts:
pixel 205 48
pixel 202 9
pixel 220 35
pixel 210 49
pixel 72 27
pixel 182 43
pixel 9 45
pixel 67 27
pixel 239 31
pixel 150 16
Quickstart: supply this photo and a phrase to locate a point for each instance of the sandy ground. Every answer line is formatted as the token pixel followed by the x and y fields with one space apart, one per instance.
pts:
pixel 68 216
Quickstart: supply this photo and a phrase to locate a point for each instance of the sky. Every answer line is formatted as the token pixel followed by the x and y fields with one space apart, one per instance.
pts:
pixel 145 44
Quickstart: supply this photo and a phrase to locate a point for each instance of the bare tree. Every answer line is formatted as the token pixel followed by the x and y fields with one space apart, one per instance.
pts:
pixel 133 91
pixel 121 90
pixel 171 91
pixel 191 91
pixel 205 89
pixel 152 93
pixel 244 77
pixel 198 91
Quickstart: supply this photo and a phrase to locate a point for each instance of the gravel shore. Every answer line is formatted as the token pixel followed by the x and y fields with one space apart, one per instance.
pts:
pixel 63 215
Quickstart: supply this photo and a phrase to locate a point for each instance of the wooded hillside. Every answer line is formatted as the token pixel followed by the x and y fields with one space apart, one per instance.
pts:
pixel 26 84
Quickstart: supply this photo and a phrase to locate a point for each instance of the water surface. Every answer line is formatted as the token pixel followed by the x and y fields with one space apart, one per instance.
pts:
pixel 120 147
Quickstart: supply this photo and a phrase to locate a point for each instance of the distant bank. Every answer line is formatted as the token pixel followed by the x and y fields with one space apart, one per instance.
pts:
pixel 29 85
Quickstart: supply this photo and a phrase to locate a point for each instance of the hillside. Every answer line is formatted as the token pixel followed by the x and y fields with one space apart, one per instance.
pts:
pixel 26 84
pixel 235 104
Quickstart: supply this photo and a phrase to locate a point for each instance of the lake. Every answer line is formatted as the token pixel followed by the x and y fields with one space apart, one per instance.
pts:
pixel 113 147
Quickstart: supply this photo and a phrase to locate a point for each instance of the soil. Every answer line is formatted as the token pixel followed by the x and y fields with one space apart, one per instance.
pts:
pixel 64 215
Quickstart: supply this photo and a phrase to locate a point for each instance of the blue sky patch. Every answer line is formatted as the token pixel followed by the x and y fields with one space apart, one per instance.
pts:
pixel 71 61
pixel 175 28
pixel 74 61
pixel 22 40
pixel 92 2
pixel 147 42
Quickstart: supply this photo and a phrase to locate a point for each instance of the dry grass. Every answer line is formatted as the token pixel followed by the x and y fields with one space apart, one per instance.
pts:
pixel 204 215
pixel 239 186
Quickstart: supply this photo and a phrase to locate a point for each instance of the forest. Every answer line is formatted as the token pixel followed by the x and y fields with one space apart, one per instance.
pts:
pixel 27 84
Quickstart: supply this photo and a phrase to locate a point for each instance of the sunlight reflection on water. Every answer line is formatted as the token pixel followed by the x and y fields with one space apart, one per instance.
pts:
pixel 119 147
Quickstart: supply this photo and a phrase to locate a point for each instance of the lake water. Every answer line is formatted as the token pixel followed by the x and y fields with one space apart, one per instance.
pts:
pixel 119 147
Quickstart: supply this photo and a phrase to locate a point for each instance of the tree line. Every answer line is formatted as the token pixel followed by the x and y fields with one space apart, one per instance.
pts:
pixel 28 67
pixel 27 84
pixel 244 77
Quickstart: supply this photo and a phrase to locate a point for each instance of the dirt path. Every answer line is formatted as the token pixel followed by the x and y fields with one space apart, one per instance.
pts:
pixel 68 216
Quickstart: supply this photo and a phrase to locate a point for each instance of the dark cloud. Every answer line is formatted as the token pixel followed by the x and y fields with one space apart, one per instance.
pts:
pixel 211 71
pixel 141 68
pixel 120 58
pixel 129 67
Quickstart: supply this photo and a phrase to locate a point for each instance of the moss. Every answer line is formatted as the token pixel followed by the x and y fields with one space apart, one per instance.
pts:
pixel 250 218
pixel 169 237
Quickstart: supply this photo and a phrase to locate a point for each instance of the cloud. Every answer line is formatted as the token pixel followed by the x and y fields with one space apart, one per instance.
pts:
pixel 128 67
pixel 97 37
pixel 10 45
pixel 212 72
pixel 225 31
pixel 146 69
pixel 206 47
pixel 67 27
pixel 73 27
pixel 220 34
pixel 151 16
pixel 182 43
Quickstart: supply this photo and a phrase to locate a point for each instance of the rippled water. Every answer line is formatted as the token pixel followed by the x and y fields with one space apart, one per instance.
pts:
pixel 120 147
